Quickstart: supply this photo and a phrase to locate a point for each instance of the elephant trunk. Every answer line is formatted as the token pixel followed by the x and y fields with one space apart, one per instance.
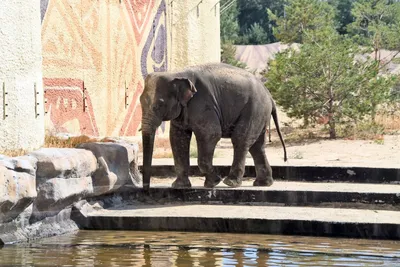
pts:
pixel 149 127
pixel 148 145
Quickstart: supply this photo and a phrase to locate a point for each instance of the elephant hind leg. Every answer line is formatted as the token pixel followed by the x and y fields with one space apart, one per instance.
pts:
pixel 245 134
pixel 236 173
pixel 263 169
pixel 240 149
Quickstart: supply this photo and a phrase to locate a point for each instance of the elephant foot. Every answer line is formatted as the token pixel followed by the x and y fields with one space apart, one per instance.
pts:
pixel 232 182
pixel 181 183
pixel 263 182
pixel 211 183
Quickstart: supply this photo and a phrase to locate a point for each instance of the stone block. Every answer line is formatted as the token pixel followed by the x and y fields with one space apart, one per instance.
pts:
pixel 23 229
pixel 64 163
pixel 17 186
pixel 57 193
pixel 25 164
pixel 118 165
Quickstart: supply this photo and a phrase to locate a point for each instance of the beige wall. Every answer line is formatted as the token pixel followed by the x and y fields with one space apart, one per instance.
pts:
pixel 194 36
pixel 20 70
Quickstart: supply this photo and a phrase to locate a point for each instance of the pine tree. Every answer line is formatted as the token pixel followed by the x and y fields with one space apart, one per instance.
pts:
pixel 325 76
pixel 228 55
pixel 303 19
pixel 377 24
pixel 228 22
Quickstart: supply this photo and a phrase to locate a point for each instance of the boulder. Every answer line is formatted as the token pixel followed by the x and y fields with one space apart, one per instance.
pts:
pixel 57 193
pixel 118 165
pixel 23 229
pixel 17 186
pixel 25 164
pixel 64 163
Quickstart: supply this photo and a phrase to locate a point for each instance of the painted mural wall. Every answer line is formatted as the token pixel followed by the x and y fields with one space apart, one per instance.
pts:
pixel 96 54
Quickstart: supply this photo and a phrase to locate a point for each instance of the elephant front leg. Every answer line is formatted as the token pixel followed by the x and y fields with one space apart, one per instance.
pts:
pixel 205 149
pixel 180 145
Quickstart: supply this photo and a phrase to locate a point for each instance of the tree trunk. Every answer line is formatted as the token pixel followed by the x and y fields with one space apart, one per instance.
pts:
pixel 373 113
pixel 306 121
pixel 332 128
pixel 331 114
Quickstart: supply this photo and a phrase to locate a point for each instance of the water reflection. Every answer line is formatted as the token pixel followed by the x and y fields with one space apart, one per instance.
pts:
pixel 129 248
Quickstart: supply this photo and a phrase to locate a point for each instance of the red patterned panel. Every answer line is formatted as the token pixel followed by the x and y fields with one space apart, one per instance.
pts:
pixel 65 104
pixel 140 14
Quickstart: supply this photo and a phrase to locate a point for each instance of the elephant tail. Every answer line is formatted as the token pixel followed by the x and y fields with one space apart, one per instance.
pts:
pixel 269 131
pixel 275 117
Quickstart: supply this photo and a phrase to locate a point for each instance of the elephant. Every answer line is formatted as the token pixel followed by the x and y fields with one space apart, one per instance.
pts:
pixel 211 101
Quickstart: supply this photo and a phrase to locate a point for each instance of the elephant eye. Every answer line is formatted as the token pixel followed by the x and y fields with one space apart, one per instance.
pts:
pixel 160 102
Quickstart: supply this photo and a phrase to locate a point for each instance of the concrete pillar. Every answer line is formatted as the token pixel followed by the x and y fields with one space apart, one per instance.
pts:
pixel 194 33
pixel 21 119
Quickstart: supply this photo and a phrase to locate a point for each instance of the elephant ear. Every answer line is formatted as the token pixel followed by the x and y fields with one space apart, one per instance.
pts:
pixel 185 90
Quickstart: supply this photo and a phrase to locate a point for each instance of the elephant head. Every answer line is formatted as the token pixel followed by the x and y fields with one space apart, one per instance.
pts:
pixel 163 98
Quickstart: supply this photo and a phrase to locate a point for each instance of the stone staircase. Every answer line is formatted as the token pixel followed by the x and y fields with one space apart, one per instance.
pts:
pixel 363 204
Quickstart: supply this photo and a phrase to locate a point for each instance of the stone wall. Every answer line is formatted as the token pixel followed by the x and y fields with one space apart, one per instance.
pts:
pixel 21 90
pixel 97 53
pixel 38 190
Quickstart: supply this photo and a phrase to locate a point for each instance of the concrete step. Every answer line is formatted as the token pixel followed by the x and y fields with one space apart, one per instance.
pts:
pixel 336 195
pixel 312 221
pixel 297 173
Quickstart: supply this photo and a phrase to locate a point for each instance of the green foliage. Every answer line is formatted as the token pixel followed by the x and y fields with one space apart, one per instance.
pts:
pixel 376 24
pixel 329 76
pixel 255 35
pixel 228 55
pixel 229 34
pixel 229 23
pixel 304 19
pixel 395 92
pixel 247 21
pixel 371 22
pixel 324 80
pixel 255 24
pixel 343 16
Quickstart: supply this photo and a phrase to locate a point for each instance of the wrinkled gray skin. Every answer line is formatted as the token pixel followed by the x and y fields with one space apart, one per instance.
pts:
pixel 211 101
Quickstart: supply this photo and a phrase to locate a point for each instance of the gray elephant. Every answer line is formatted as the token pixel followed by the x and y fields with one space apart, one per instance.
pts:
pixel 211 101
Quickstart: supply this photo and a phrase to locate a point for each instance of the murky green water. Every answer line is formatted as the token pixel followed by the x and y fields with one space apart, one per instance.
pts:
pixel 130 248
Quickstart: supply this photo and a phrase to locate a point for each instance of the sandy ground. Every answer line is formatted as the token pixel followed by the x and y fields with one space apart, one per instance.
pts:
pixel 333 153
pixel 365 153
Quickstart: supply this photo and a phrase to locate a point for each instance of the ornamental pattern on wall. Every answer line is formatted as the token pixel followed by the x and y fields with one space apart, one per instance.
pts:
pixel 109 46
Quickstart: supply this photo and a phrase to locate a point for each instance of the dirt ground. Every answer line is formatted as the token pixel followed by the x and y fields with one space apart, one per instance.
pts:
pixel 367 153
pixel 347 153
